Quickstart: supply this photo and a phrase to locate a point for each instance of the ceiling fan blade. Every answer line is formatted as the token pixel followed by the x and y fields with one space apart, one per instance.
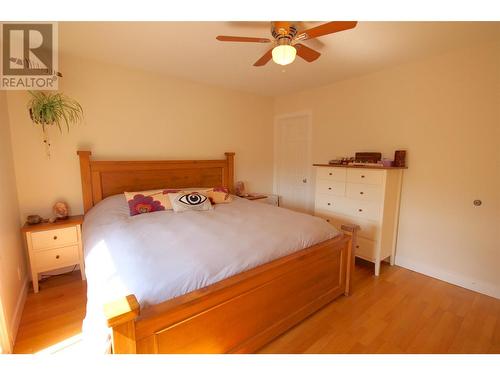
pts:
pixel 306 53
pixel 325 29
pixel 225 38
pixel 264 59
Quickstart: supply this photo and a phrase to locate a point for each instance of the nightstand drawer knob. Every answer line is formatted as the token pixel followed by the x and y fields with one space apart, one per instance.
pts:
pixel 329 188
pixel 362 176
pixel 330 173
pixel 361 193
pixel 329 204
pixel 357 246
pixel 57 256
pixel 55 237
pixel 360 209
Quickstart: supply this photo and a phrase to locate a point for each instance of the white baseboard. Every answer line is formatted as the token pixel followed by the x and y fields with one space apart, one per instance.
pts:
pixel 18 312
pixel 482 287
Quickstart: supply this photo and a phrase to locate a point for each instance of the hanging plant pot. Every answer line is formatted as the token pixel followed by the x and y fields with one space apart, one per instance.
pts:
pixel 49 109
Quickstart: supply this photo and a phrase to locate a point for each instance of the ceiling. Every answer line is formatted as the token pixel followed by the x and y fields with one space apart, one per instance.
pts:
pixel 189 50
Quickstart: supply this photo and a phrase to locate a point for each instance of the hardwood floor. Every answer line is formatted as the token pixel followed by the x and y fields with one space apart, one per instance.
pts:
pixel 53 316
pixel 399 312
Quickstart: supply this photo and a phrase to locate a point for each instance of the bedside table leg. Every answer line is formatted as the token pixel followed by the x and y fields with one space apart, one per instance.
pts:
pixel 34 276
pixel 82 270
pixel 377 267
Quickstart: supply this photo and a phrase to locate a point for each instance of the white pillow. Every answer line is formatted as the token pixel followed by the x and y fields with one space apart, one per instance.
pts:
pixel 189 201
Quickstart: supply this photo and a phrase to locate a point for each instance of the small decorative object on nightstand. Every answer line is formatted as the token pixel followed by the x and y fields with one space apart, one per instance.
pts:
pixel 54 245
pixel 61 210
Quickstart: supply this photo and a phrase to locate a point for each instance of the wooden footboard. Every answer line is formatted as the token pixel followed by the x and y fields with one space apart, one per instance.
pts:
pixel 242 313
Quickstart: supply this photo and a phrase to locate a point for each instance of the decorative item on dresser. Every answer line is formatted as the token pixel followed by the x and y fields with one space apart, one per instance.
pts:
pixel 367 196
pixel 54 245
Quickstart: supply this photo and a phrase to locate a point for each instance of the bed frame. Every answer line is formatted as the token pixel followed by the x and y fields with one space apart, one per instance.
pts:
pixel 239 314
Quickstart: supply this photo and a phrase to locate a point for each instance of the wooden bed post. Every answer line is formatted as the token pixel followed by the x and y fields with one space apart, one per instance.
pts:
pixel 86 179
pixel 351 230
pixel 121 316
pixel 230 171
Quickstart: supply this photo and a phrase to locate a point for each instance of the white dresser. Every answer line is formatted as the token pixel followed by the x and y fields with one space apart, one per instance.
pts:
pixel 368 197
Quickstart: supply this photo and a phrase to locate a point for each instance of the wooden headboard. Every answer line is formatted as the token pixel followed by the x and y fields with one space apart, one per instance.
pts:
pixel 102 178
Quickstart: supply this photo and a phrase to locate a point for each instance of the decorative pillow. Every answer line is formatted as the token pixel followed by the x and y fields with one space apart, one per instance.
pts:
pixel 218 195
pixel 189 200
pixel 142 202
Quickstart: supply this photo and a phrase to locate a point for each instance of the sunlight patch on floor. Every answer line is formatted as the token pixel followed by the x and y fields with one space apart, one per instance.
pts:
pixel 70 345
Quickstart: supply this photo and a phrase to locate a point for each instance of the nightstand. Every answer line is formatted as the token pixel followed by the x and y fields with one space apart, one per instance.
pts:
pixel 255 197
pixel 271 199
pixel 54 245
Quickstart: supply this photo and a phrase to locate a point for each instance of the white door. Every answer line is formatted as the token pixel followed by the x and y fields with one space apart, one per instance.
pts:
pixel 293 161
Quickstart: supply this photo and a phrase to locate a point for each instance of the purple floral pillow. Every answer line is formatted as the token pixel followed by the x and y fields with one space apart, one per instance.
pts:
pixel 143 202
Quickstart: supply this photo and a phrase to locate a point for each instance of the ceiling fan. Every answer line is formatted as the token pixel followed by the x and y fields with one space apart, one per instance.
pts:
pixel 286 42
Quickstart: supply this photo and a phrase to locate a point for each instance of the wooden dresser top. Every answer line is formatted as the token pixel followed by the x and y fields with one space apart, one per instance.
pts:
pixel 356 166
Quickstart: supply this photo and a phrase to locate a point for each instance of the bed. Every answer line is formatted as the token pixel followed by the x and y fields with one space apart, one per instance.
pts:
pixel 225 281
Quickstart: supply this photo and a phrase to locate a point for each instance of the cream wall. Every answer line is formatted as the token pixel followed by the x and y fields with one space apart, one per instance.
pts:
pixel 12 284
pixel 130 114
pixel 445 111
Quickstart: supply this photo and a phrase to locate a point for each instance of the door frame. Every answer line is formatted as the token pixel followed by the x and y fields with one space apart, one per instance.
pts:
pixel 308 114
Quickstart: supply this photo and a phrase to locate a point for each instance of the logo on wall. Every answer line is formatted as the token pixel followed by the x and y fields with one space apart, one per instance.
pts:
pixel 29 59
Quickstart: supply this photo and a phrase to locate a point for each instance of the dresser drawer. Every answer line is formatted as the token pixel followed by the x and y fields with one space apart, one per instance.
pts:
pixel 364 209
pixel 367 228
pixel 330 187
pixel 328 204
pixel 365 176
pixel 56 258
pixel 327 173
pixel 364 192
pixel 54 238
pixel 365 249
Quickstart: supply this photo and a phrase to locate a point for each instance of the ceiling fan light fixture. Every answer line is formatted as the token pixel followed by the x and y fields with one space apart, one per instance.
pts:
pixel 284 54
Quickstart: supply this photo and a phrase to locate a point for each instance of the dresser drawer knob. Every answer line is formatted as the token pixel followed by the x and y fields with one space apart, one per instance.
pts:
pixel 330 173
pixel 329 188
pixel 362 176
pixel 327 220
pixel 57 257
pixel 361 193
pixel 55 237
pixel 360 209
pixel 329 204
pixel 357 246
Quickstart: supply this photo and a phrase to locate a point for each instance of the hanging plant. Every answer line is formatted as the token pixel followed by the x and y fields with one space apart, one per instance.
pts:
pixel 47 109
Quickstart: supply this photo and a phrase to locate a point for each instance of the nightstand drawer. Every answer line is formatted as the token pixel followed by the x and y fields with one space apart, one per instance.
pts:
pixel 54 238
pixel 57 258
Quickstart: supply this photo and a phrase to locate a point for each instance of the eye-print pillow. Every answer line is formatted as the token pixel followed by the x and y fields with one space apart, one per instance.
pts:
pixel 189 201
pixel 142 202
pixel 219 195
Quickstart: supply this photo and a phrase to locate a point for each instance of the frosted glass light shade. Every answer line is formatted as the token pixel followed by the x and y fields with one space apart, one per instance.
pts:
pixel 284 54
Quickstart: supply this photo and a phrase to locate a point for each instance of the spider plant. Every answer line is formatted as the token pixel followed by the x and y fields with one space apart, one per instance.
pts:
pixel 48 109
pixel 54 109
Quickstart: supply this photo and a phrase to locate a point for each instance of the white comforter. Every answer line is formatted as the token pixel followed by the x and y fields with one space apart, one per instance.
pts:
pixel 161 255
